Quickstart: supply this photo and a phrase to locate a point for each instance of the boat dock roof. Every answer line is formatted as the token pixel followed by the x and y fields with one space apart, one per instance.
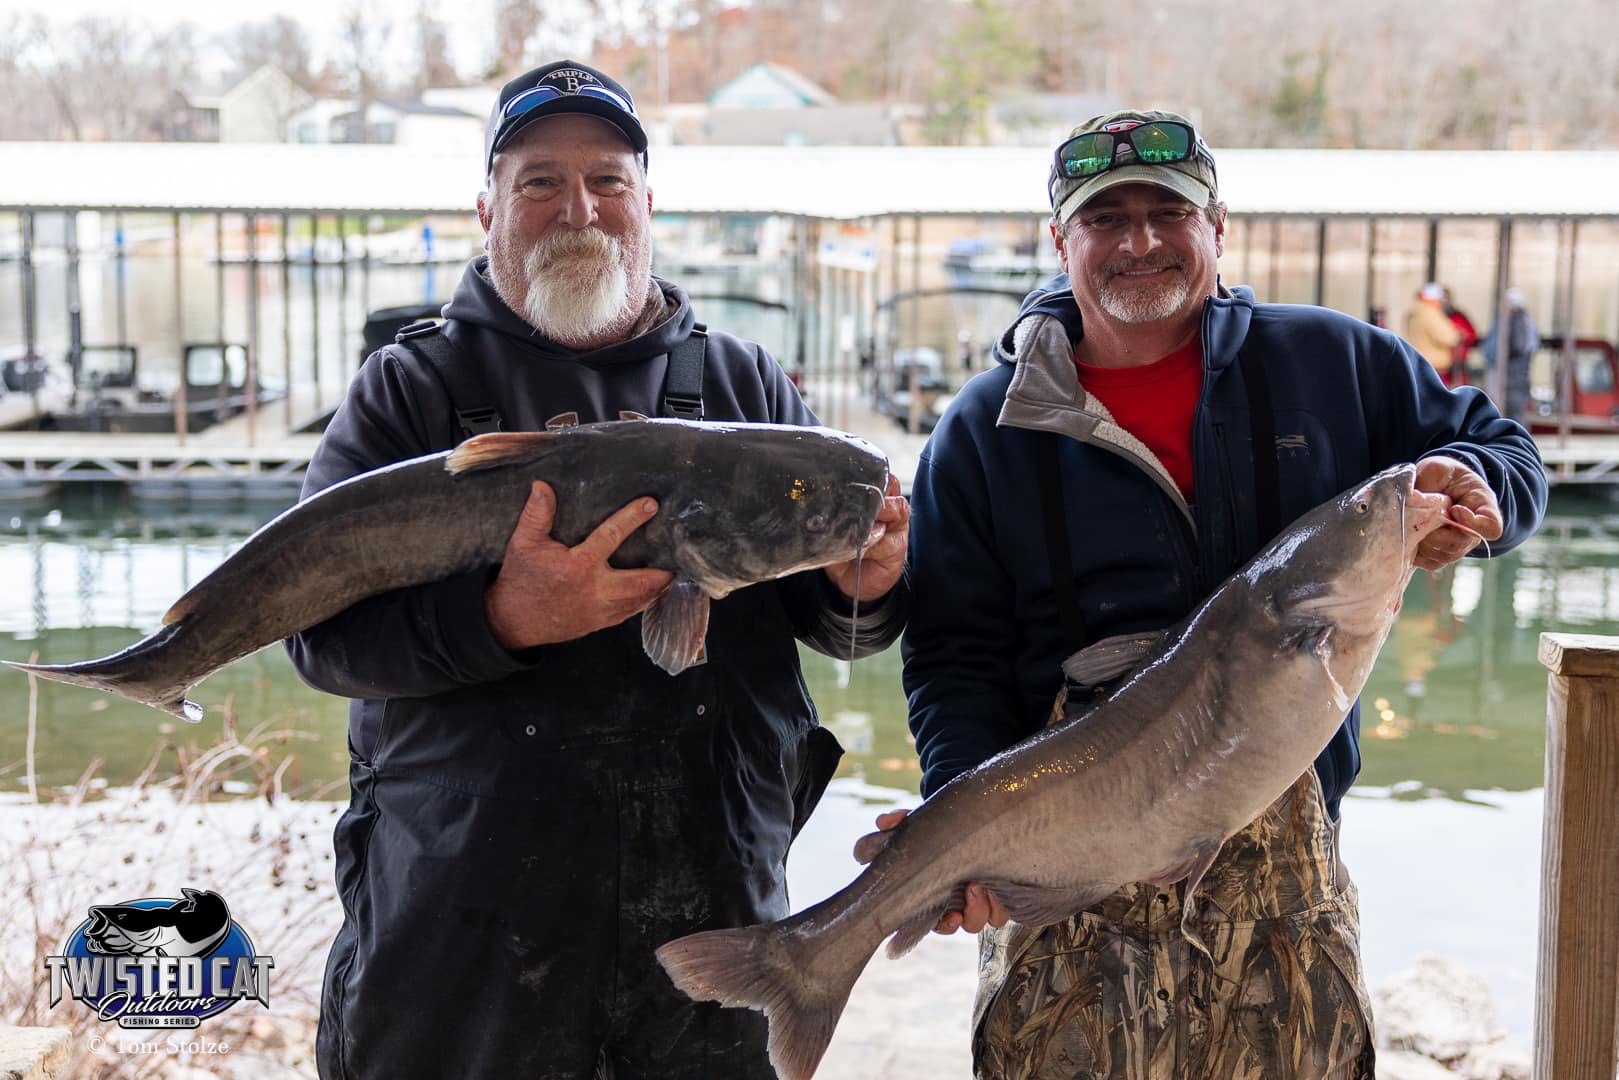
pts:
pixel 828 183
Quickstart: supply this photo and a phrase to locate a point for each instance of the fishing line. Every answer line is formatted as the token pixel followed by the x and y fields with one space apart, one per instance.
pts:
pixel 854 622
pixel 860 557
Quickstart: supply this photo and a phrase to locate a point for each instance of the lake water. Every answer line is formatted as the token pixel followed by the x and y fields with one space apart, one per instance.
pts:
pixel 1444 823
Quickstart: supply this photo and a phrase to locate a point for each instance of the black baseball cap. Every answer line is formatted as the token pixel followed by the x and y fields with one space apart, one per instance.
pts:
pixel 565 86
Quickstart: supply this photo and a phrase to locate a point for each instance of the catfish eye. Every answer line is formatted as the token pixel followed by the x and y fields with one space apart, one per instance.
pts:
pixel 1363 506
pixel 815 523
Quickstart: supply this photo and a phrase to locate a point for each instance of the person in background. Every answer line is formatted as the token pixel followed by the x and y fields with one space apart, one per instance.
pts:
pixel 534 806
pixel 1429 329
pixel 1522 339
pixel 1458 355
pixel 1102 478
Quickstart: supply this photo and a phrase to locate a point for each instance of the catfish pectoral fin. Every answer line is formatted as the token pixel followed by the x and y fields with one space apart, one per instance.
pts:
pixel 1039 905
pixel 871 845
pixel 1111 657
pixel 920 925
pixel 673 628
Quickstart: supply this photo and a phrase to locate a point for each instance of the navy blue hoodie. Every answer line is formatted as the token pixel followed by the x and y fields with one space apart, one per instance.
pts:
pixel 984 644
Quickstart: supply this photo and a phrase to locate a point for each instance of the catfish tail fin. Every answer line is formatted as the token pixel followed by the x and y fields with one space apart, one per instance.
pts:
pixel 140 673
pixel 770 968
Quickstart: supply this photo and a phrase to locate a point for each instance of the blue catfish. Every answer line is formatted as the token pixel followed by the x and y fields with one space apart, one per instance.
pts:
pixel 1222 714
pixel 737 504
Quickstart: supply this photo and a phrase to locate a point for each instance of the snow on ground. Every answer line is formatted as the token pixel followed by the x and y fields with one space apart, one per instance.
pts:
pixel 1460 880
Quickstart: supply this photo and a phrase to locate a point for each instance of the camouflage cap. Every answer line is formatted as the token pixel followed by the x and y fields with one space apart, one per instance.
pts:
pixel 1192 179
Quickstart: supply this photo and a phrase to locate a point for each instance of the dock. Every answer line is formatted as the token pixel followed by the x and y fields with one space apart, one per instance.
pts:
pixel 265 456
pixel 1580 459
pixel 33 463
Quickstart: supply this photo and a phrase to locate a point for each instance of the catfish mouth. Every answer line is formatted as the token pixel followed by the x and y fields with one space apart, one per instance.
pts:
pixel 1423 512
pixel 861 545
pixel 1392 518
pixel 867 530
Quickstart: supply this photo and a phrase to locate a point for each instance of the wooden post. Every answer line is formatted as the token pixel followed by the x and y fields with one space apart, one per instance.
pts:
pixel 1577 985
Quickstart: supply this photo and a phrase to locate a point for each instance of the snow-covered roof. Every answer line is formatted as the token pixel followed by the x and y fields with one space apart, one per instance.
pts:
pixel 838 182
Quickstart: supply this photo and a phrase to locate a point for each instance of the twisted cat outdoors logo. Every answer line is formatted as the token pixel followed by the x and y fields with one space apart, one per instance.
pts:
pixel 160 962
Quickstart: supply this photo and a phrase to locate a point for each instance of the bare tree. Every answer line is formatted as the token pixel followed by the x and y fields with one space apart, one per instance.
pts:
pixel 1373 73
pixel 21 36
pixel 434 66
pixel 364 51
pixel 105 78
pixel 278 41
pixel 517 22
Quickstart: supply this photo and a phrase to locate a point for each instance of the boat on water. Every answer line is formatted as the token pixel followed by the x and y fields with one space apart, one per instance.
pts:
pixel 101 388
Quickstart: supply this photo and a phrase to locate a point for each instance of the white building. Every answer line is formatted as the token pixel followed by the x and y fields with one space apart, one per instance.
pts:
pixel 440 128
pixel 769 86
pixel 260 107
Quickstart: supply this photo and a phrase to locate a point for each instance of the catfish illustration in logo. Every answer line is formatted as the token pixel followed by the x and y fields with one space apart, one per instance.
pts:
pixel 189 927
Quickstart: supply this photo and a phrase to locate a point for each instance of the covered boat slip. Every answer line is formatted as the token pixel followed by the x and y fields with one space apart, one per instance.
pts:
pixel 1356 230
pixel 829 183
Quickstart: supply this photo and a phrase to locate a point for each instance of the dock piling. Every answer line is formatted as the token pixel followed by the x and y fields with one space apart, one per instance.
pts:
pixel 1577 982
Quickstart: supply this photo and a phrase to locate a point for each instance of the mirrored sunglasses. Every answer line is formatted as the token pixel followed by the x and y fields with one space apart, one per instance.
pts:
pixel 1157 142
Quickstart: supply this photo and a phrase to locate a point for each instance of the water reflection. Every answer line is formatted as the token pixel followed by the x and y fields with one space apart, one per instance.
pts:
pixel 1456 701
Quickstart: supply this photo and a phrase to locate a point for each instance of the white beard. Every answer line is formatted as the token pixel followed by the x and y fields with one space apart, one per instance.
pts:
pixel 1139 305
pixel 577 284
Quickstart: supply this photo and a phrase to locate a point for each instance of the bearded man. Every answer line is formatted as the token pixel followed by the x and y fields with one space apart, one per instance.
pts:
pixel 534 805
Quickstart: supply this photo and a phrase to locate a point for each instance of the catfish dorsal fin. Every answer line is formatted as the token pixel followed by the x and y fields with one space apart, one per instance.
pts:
pixel 496 448
pixel 179 609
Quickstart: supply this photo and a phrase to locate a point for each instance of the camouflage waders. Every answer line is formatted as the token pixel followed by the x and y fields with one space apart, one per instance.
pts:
pixel 1119 992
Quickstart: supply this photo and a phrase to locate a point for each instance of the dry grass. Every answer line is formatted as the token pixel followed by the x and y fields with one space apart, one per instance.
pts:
pixel 214 816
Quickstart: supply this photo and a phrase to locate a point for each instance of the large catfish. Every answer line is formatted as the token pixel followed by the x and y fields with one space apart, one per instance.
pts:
pixel 737 504
pixel 1223 713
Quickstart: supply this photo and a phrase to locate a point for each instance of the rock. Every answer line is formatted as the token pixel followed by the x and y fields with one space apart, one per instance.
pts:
pixel 1436 1009
pixel 1406 1065
pixel 1496 1061
pixel 170 1069
pixel 247 1066
pixel 33 1053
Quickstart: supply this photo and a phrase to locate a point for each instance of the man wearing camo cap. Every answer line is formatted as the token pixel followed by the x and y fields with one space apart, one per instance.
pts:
pixel 1146 431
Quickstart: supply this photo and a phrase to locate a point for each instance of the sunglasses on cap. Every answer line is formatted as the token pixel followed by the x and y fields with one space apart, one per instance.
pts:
pixel 534 97
pixel 1154 142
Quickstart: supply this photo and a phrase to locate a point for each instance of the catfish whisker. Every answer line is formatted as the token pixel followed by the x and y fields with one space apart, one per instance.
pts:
pixel 1470 531
pixel 854 620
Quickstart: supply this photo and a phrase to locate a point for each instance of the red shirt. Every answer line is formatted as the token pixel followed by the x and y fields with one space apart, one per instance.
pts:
pixel 1155 402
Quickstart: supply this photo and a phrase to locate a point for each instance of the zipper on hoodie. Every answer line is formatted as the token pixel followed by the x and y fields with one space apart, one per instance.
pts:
pixel 1200 572
pixel 1227 490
